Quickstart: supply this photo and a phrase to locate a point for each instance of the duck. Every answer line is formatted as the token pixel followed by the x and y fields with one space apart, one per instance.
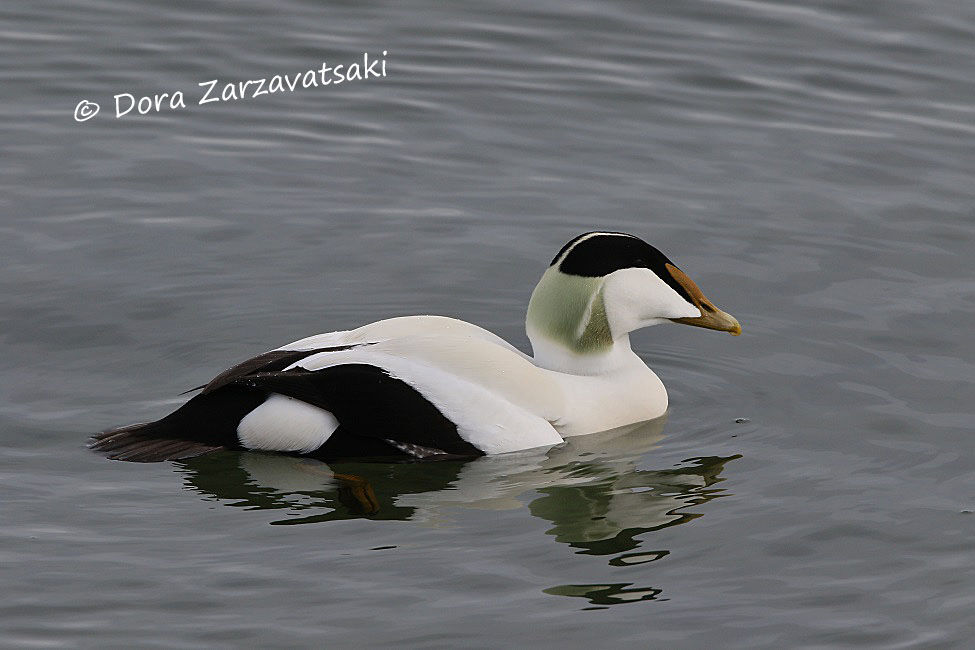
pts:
pixel 427 387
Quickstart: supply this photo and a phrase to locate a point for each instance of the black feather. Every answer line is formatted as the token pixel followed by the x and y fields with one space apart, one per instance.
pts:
pixel 207 422
pixel 602 253
pixel 371 407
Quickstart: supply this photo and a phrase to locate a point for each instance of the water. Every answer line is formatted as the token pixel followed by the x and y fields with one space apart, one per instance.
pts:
pixel 809 166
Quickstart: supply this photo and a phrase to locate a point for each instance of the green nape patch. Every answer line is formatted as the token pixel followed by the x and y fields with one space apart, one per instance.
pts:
pixel 569 310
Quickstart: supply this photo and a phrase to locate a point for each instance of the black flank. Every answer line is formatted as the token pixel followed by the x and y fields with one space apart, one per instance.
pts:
pixel 371 407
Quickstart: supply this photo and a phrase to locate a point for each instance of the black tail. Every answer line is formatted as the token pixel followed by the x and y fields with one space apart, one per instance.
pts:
pixel 208 422
pixel 141 443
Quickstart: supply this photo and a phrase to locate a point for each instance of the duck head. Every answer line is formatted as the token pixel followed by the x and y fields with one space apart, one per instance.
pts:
pixel 600 287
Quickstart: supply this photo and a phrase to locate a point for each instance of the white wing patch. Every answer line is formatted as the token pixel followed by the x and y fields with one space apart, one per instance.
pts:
pixel 286 424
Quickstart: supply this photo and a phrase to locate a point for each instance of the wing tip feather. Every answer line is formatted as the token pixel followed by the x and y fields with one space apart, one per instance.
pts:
pixel 135 443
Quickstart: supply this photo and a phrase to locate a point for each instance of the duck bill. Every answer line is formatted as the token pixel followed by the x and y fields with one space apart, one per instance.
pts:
pixel 715 320
pixel 711 317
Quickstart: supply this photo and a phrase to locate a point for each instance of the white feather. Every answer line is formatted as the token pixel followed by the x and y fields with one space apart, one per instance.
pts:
pixel 286 424
pixel 400 327
pixel 637 297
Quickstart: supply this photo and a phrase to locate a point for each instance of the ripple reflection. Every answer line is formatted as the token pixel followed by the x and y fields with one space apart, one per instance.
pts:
pixel 593 489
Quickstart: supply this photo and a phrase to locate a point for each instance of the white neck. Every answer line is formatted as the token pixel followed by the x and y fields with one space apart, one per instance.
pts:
pixel 553 355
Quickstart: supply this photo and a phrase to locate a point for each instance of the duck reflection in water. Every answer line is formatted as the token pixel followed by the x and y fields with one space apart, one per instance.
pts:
pixel 592 489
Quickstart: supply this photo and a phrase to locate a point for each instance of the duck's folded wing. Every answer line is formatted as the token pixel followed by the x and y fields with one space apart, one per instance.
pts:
pixel 371 407
pixel 497 398
pixel 421 395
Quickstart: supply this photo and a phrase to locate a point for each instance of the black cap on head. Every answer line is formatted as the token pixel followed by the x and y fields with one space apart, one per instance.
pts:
pixel 595 254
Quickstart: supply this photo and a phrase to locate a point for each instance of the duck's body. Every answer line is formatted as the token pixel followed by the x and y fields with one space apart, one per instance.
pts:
pixel 434 387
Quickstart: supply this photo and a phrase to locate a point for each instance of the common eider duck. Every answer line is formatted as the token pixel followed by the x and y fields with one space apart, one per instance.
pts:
pixel 432 387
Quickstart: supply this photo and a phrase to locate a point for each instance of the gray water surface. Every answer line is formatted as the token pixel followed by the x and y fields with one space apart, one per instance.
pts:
pixel 808 164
